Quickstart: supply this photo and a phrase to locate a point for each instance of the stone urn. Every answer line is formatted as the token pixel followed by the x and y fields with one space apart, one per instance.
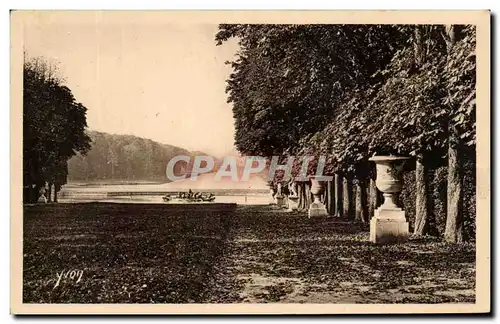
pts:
pixel 317 188
pixel 293 198
pixel 272 194
pixel 280 198
pixel 317 208
pixel 389 222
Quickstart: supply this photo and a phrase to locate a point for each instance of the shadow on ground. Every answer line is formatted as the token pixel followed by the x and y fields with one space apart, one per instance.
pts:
pixel 133 253
pixel 280 257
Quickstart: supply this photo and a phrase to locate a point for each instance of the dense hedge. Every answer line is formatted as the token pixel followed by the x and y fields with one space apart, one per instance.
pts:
pixel 470 199
pixel 407 197
pixel 437 189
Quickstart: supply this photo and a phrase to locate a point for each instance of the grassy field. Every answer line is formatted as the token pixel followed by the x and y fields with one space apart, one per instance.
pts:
pixel 146 253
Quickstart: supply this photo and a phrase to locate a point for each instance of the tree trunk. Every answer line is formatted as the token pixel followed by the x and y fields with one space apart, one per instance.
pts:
pixel 55 193
pixel 36 193
pixel 422 198
pixel 49 192
pixel 358 211
pixel 418 45
pixel 351 198
pixel 330 206
pixel 454 221
pixel 338 195
pixel 324 195
pixel 300 193
pixel 348 204
pixel 304 196
pixel 309 197
pixel 361 201
pixel 345 196
pixel 373 200
pixel 28 194
pixel 364 202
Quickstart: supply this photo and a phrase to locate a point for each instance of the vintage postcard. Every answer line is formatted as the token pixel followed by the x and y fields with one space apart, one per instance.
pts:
pixel 257 162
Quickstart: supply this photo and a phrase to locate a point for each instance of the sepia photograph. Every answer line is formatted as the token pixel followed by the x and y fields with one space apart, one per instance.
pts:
pixel 256 162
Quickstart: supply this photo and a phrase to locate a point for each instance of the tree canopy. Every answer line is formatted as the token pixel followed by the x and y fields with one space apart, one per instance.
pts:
pixel 350 91
pixel 289 80
pixel 54 126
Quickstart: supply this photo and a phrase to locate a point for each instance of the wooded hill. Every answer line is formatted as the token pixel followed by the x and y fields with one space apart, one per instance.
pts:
pixel 124 157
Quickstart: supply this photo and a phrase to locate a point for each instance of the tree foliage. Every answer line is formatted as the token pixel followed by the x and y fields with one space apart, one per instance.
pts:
pixel 290 81
pixel 53 127
pixel 350 91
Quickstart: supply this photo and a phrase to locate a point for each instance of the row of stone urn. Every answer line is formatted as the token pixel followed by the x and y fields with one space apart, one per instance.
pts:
pixel 290 201
pixel 389 222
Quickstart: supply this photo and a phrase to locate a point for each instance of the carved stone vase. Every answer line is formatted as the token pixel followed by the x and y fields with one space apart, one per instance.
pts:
pixel 389 222
pixel 280 198
pixel 317 208
pixel 293 198
pixel 272 194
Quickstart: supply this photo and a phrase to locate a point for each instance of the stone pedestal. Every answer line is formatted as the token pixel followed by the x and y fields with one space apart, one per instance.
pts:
pixel 317 209
pixel 293 203
pixel 272 199
pixel 388 226
pixel 280 201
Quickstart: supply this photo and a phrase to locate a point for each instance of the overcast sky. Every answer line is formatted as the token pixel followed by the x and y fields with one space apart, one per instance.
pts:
pixel 154 79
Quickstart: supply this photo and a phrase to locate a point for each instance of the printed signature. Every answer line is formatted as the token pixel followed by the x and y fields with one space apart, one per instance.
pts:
pixel 71 274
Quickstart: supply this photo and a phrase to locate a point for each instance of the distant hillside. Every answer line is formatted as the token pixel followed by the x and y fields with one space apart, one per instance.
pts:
pixel 125 157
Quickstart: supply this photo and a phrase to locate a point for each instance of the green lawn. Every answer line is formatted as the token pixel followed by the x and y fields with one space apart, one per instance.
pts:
pixel 145 253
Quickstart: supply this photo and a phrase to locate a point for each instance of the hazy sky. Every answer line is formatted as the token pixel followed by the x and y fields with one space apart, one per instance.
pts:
pixel 156 80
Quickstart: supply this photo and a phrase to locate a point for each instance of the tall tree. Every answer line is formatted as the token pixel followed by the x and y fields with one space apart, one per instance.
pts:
pixel 460 78
pixel 289 80
pixel 349 92
pixel 53 128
